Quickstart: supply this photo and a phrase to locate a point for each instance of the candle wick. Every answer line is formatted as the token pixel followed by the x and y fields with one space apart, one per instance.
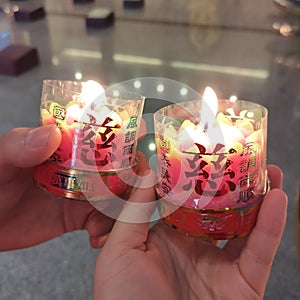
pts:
pixel 205 127
pixel 195 121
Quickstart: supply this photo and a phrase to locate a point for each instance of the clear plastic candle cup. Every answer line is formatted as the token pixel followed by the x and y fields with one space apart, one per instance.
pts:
pixel 211 166
pixel 97 155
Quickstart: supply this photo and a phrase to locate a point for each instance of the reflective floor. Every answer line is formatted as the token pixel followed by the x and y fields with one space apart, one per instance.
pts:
pixel 252 62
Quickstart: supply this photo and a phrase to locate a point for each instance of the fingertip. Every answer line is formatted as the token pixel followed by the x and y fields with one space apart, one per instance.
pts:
pixel 50 144
pixel 275 175
pixel 98 242
pixel 274 167
pixel 273 209
pixel 54 138
pixel 98 224
pixel 277 195
pixel 48 136
pixel 27 147
pixel 280 197
pixel 93 242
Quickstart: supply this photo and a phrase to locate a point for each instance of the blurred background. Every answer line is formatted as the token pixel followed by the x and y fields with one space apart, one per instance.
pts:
pixel 243 48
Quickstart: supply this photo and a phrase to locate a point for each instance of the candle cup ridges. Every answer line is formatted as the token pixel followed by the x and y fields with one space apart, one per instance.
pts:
pixel 96 159
pixel 212 180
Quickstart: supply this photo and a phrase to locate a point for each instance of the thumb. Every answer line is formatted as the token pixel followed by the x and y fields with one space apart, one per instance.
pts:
pixel 131 228
pixel 27 147
pixel 257 256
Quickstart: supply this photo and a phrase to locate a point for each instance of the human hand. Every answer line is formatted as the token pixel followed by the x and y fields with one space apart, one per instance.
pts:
pixel 161 263
pixel 28 214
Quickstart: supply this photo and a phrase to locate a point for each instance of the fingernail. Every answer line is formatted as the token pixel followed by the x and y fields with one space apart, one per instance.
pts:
pixel 39 137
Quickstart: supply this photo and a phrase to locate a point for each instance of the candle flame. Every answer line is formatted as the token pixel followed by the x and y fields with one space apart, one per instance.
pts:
pixel 74 112
pixel 211 99
pixel 91 91
pixel 92 94
pixel 209 107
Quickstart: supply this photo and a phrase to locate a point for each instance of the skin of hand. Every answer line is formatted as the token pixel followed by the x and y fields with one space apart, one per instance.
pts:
pixel 30 215
pixel 161 263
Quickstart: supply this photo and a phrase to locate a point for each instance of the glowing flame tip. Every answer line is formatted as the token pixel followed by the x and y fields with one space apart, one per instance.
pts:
pixel 91 90
pixel 209 107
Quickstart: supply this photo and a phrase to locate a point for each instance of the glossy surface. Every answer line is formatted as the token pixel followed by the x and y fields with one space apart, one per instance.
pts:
pixel 256 65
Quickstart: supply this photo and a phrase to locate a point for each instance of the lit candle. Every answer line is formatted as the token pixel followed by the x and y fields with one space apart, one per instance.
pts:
pixel 99 138
pixel 213 162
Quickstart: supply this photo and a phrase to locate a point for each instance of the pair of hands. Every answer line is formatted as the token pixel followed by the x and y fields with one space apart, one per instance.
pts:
pixel 135 262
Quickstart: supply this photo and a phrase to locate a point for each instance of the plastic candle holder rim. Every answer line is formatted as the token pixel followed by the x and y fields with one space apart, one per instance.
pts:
pixel 253 105
pixel 54 83
pixel 108 91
